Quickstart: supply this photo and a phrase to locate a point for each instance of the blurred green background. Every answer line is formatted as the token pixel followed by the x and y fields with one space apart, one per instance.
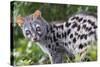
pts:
pixel 27 53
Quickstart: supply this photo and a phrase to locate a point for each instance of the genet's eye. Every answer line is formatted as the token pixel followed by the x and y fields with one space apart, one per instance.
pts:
pixel 38 28
pixel 28 32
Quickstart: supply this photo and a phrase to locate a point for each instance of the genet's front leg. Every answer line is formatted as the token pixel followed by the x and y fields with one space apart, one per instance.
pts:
pixel 57 53
pixel 57 57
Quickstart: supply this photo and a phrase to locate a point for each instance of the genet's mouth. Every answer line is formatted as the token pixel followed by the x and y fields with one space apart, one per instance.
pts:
pixel 35 39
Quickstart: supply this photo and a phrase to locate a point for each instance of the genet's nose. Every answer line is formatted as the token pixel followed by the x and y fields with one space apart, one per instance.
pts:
pixel 35 38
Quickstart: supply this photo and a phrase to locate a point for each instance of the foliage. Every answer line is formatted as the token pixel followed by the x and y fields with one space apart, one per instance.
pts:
pixel 26 53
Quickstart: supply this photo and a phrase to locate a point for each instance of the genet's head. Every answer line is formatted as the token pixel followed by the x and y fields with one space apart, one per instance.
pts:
pixel 34 27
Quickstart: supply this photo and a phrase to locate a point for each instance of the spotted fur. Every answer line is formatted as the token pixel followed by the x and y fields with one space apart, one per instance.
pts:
pixel 58 39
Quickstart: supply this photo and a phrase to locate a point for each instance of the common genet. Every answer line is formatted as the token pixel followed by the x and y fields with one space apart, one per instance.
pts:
pixel 58 39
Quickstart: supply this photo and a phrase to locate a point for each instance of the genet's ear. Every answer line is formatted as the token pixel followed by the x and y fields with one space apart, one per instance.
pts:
pixel 20 20
pixel 37 14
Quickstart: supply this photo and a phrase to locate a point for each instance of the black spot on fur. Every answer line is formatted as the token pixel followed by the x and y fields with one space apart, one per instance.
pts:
pixel 57 44
pixel 49 38
pixel 78 28
pixel 55 49
pixel 49 46
pixel 47 28
pixel 67 24
pixel 80 19
pixel 77 18
pixel 92 23
pixel 81 36
pixel 84 26
pixel 73 18
pixel 80 46
pixel 85 36
pixel 69 42
pixel 71 35
pixel 84 20
pixel 91 32
pixel 74 40
pixel 60 27
pixel 89 28
pixel 66 44
pixel 51 29
pixel 95 26
pixel 54 37
pixel 64 35
pixel 58 35
pixel 68 32
pixel 74 25
pixel 76 33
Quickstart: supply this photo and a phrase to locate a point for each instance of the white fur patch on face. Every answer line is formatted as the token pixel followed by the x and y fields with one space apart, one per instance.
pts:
pixel 37 25
pixel 26 28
